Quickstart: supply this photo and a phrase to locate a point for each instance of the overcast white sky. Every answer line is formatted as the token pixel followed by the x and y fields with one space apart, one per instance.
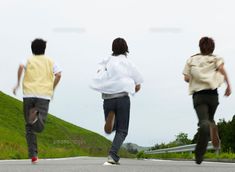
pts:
pixel 161 35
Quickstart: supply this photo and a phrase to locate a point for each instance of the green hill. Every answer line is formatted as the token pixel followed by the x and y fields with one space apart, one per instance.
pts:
pixel 59 139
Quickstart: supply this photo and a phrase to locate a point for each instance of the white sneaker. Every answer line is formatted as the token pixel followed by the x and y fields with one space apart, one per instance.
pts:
pixel 112 161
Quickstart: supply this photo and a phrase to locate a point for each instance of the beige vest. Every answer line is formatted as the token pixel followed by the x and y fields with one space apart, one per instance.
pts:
pixel 203 72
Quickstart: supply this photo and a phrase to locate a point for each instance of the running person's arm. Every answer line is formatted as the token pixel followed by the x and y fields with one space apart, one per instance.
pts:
pixel 223 72
pixel 57 72
pixel 56 80
pixel 19 74
pixel 137 77
pixel 186 71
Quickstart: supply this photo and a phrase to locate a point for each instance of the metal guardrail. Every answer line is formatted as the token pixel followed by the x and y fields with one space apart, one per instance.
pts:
pixel 185 148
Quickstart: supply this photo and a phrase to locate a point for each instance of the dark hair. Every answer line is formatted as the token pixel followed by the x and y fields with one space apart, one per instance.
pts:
pixel 207 45
pixel 38 46
pixel 119 47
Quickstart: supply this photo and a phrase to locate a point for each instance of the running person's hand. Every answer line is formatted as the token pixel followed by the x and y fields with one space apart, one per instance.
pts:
pixel 228 91
pixel 137 88
pixel 19 73
pixel 15 89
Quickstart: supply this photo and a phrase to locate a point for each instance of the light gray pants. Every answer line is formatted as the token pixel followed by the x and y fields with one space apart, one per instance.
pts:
pixel 40 105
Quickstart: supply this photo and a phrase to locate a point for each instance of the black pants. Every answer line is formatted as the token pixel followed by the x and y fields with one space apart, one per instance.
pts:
pixel 41 105
pixel 121 108
pixel 205 107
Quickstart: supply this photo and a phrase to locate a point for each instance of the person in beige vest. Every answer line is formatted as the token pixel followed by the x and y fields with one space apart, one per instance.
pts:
pixel 205 73
pixel 41 77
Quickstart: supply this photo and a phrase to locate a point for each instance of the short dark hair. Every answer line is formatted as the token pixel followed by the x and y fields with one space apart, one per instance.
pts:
pixel 207 45
pixel 119 47
pixel 38 46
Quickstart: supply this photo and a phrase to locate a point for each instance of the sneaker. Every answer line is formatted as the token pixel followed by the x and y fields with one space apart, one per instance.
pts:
pixel 198 158
pixel 112 161
pixel 214 136
pixel 108 127
pixel 34 160
pixel 33 116
pixel 199 154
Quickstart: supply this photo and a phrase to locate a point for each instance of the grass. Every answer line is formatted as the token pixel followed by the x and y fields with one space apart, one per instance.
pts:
pixel 184 155
pixel 212 156
pixel 59 139
pixel 221 156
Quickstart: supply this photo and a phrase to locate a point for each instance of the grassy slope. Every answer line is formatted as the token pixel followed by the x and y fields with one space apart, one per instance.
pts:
pixel 59 139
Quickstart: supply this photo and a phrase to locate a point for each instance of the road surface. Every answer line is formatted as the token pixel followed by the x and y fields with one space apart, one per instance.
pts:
pixel 91 164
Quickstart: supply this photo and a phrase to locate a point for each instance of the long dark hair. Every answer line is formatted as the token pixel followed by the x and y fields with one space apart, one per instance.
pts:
pixel 119 47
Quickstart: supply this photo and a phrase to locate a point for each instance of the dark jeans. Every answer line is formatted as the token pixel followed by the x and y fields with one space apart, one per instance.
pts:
pixel 40 105
pixel 205 107
pixel 121 108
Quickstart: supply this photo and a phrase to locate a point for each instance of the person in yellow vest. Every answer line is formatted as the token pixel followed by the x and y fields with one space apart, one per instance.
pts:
pixel 41 77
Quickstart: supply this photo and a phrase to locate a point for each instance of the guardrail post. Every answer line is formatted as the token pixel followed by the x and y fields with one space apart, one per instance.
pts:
pixel 217 151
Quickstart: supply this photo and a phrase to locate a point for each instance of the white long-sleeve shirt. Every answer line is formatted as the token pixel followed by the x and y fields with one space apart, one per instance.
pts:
pixel 116 74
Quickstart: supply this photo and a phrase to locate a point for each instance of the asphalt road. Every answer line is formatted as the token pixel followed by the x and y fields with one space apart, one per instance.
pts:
pixel 90 164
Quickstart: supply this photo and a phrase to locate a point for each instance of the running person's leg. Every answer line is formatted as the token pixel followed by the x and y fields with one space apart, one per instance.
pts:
pixel 109 106
pixel 121 124
pixel 213 104
pixel 109 122
pixel 201 109
pixel 41 106
pixel 28 104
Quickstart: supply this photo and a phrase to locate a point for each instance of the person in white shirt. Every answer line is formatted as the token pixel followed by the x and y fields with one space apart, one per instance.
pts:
pixel 116 78
pixel 205 72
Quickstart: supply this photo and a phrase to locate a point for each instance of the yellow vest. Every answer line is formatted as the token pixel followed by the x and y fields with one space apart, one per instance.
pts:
pixel 39 77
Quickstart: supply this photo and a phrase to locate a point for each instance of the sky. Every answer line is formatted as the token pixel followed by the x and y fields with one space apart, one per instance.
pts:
pixel 161 35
